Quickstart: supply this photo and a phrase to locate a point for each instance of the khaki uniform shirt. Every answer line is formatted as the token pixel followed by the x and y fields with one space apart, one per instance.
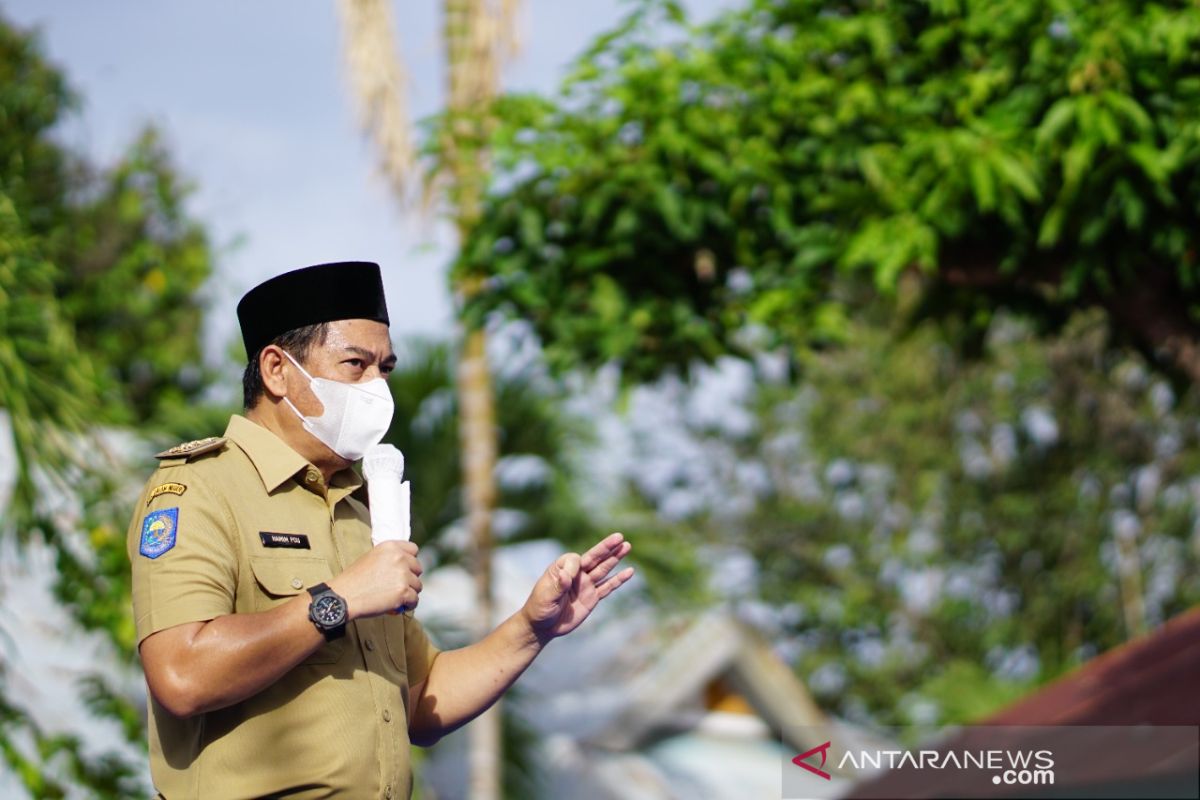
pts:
pixel 241 524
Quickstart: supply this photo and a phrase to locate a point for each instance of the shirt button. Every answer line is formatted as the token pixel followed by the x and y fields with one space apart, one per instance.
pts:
pixel 297 583
pixel 388 793
pixel 370 644
pixel 311 477
pixel 387 715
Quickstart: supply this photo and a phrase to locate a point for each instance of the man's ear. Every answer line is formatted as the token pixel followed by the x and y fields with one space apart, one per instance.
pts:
pixel 272 365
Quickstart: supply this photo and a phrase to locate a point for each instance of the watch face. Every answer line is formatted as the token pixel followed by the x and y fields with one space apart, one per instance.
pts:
pixel 329 611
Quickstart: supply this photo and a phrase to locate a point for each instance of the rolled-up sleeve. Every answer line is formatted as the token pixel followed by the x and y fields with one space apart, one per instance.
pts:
pixel 419 651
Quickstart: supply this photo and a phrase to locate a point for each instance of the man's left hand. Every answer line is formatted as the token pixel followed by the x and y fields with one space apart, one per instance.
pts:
pixel 572 586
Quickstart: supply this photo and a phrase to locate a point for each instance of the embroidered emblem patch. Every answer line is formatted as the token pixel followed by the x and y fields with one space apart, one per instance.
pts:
pixel 158 532
pixel 166 488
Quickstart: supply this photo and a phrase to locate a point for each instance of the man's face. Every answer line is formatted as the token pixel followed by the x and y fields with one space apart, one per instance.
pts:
pixel 355 350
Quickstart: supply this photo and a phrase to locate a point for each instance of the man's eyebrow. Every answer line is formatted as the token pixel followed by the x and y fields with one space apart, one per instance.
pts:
pixel 369 354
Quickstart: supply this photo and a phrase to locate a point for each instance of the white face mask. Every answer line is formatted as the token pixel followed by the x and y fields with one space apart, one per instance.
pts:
pixel 356 415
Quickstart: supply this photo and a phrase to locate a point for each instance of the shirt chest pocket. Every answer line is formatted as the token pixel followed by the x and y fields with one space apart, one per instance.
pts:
pixel 278 580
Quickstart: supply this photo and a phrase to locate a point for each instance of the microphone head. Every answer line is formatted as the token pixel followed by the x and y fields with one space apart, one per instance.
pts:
pixel 383 460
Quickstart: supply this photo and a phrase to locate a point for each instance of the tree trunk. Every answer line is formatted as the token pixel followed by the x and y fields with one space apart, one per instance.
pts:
pixel 471 59
pixel 1129 578
pixel 477 434
pixel 475 34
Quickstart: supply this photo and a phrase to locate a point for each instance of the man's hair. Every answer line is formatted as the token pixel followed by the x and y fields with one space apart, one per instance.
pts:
pixel 298 341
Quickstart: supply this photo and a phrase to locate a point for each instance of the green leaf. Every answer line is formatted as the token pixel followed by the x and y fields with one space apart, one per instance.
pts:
pixel 983 184
pixel 531 227
pixel 1053 125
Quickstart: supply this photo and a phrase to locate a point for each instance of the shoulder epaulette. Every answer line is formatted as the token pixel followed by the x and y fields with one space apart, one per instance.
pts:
pixel 195 448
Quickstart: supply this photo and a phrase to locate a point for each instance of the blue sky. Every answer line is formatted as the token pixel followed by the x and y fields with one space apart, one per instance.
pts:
pixel 252 98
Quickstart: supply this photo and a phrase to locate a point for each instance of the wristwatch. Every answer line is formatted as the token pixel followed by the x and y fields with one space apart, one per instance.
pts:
pixel 327 611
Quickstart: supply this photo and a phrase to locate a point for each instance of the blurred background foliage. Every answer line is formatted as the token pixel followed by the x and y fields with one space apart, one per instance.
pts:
pixel 539 442
pixel 934 536
pixel 100 316
pixel 969 231
pixel 946 249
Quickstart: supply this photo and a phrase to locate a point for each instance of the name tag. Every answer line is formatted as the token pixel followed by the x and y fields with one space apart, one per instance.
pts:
pixel 295 540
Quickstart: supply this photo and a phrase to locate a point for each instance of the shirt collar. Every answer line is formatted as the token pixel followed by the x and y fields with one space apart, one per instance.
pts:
pixel 276 462
pixel 343 484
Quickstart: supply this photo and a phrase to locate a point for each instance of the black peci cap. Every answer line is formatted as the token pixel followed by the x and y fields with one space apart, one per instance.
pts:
pixel 321 293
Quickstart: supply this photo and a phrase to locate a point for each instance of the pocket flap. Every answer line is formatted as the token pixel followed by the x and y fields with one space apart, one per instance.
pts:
pixel 282 577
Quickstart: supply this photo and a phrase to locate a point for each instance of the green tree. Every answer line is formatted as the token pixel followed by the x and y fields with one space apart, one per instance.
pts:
pixel 936 534
pixel 99 329
pixel 690 182
pixel 539 444
pixel 947 532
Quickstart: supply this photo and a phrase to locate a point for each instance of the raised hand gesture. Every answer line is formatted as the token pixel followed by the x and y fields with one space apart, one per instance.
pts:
pixel 572 586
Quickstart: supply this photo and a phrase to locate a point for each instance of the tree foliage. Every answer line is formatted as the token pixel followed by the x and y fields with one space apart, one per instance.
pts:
pixel 99 328
pixel 690 182
pixel 536 472
pixel 100 313
pixel 935 536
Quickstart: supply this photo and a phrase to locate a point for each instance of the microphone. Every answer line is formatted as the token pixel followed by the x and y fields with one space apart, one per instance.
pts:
pixel 390 498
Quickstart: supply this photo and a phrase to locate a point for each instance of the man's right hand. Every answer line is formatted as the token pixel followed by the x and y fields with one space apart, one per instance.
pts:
pixel 384 580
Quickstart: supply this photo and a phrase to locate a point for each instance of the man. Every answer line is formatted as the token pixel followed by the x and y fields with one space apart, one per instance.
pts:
pixel 267 624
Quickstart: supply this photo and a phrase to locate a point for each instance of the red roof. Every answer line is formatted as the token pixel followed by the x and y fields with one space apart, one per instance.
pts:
pixel 1151 680
pixel 1148 682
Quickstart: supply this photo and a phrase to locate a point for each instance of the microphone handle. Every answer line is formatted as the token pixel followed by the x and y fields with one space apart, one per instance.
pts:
pixel 390 509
